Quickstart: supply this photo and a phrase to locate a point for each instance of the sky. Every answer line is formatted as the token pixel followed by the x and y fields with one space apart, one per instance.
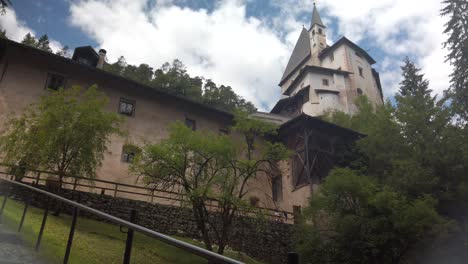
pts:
pixel 242 43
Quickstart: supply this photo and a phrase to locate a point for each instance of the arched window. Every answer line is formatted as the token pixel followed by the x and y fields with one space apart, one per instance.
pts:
pixel 320 31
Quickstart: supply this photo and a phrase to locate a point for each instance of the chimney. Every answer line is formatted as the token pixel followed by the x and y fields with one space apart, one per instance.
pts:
pixel 102 58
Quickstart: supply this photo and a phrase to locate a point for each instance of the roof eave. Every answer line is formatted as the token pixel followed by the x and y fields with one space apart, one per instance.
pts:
pixel 112 75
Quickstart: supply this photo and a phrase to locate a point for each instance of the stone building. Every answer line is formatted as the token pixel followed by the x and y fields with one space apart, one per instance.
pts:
pixel 317 77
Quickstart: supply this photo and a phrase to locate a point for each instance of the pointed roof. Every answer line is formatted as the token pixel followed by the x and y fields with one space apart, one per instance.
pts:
pixel 316 18
pixel 300 53
pixel 344 40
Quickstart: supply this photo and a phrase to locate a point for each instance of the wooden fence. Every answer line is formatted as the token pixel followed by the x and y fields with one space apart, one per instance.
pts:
pixel 134 192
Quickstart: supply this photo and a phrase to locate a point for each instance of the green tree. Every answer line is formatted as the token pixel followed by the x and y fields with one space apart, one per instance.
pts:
pixel 206 167
pixel 64 52
pixel 29 40
pixel 142 74
pixel 66 133
pixel 413 146
pixel 175 79
pixel 116 67
pixel 224 97
pixel 3 33
pixel 3 6
pixel 43 43
pixel 353 219
pixel 457 44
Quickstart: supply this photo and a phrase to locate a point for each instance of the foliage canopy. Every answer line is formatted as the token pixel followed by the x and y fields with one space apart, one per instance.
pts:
pixel 66 132
pixel 205 167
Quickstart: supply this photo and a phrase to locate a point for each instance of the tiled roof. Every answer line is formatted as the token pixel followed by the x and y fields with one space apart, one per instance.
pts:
pixel 300 53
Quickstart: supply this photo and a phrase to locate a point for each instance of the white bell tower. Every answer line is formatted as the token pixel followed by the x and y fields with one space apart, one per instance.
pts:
pixel 317 32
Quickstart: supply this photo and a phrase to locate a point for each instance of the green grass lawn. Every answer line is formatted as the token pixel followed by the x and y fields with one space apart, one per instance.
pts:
pixel 96 242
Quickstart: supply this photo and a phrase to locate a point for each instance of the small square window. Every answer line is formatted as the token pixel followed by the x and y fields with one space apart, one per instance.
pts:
pixel 55 81
pixel 127 107
pixel 320 31
pixel 361 72
pixel 325 82
pixel 127 157
pixel 359 91
pixel 191 123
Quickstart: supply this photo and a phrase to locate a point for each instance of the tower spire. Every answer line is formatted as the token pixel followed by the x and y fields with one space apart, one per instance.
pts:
pixel 316 18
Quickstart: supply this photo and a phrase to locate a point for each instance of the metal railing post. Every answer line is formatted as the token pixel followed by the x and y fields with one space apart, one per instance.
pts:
pixel 7 192
pixel 44 219
pixel 293 258
pixel 26 205
pixel 129 242
pixel 71 235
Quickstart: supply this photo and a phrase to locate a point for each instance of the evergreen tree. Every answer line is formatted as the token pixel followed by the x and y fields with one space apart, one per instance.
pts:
pixel 413 146
pixel 457 43
pixel 3 6
pixel 43 43
pixel 64 52
pixel 29 40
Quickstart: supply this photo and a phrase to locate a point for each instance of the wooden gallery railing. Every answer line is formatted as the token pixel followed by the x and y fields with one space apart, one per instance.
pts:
pixel 133 192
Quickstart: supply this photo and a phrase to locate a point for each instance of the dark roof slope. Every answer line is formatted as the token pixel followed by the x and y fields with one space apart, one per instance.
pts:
pixel 284 101
pixel 319 124
pixel 4 43
pixel 316 18
pixel 300 54
pixel 344 40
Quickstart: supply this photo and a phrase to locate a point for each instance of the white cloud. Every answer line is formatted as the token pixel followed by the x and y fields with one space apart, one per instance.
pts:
pixel 17 29
pixel 223 44
pixel 248 54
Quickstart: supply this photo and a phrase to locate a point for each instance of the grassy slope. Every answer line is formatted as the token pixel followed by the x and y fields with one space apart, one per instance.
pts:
pixel 96 242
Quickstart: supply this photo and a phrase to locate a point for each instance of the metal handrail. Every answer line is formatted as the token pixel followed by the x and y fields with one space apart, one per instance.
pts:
pixel 209 255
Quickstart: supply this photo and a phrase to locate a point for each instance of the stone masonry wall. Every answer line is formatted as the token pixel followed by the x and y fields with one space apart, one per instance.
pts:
pixel 265 240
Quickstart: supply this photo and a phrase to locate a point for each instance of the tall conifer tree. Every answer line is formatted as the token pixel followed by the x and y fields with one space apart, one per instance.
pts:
pixel 457 44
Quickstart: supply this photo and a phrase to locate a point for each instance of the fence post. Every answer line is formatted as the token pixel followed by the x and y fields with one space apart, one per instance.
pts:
pixel 71 235
pixel 74 184
pixel 129 242
pixel 293 258
pixel 7 192
pixel 38 178
pixel 44 219
pixel 26 205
